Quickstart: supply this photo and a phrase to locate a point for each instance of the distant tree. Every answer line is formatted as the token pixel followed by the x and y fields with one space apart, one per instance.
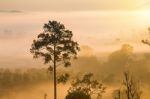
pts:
pixel 120 59
pixel 56 46
pixel 86 87
pixel 123 55
pixel 146 41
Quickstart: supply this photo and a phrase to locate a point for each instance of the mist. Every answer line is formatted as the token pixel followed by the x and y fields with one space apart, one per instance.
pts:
pixel 107 67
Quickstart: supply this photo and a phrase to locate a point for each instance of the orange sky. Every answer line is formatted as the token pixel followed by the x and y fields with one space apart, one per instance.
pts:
pixel 104 25
pixel 71 5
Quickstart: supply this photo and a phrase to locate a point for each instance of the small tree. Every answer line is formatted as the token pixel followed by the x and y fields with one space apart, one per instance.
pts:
pixel 129 89
pixel 86 85
pixel 55 44
pixel 132 86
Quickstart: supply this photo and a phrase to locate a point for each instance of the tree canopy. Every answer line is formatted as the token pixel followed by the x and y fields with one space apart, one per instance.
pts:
pixel 55 39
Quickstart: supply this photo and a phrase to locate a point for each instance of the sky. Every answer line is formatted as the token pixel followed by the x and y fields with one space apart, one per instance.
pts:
pixel 71 5
pixel 104 25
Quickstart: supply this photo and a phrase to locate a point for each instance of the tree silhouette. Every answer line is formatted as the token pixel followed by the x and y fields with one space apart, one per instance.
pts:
pixel 146 41
pixel 55 44
pixel 85 87
pixel 132 86
pixel 129 89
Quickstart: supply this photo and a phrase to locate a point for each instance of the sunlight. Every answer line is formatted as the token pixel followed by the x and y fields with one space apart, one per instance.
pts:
pixel 144 14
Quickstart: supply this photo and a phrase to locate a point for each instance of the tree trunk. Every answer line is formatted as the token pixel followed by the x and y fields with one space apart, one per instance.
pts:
pixel 55 80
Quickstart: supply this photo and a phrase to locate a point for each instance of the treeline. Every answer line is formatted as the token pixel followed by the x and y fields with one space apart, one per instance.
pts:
pixel 10 79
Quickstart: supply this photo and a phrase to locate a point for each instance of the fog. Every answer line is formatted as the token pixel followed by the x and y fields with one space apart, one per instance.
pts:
pixel 107 68
pixel 110 67
pixel 38 92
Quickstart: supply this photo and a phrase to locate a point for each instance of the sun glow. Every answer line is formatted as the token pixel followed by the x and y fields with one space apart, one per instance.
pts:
pixel 144 15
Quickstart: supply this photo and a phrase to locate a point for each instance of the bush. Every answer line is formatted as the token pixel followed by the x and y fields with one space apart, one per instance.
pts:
pixel 78 95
